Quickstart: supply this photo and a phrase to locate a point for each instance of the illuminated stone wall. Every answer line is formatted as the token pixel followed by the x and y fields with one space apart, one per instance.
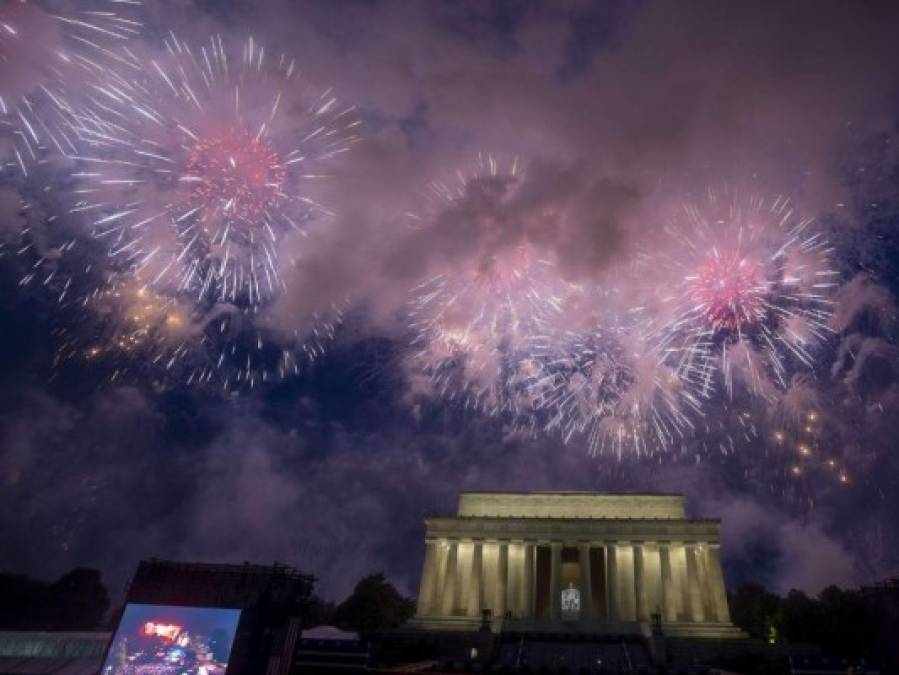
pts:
pixel 652 563
pixel 569 505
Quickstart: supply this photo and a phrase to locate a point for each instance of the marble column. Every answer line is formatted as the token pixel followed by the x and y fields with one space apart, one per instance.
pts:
pixel 490 574
pixel 641 611
pixel 530 553
pixel 428 578
pixel 464 555
pixel 716 581
pixel 555 587
pixel 652 581
pixel 696 610
pixel 627 601
pixel 705 586
pixel 502 580
pixel 449 580
pixel 586 583
pixel 515 574
pixel 677 554
pixel 440 577
pixel 475 581
pixel 669 596
pixel 611 583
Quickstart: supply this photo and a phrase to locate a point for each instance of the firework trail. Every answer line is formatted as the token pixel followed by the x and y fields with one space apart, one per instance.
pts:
pixel 469 332
pixel 472 323
pixel 41 244
pixel 801 461
pixel 199 165
pixel 613 387
pixel 808 449
pixel 134 320
pixel 62 33
pixel 752 284
pixel 129 332
pixel 45 44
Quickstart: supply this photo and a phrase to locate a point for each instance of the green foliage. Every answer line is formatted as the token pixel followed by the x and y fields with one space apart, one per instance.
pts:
pixel 374 605
pixel 755 610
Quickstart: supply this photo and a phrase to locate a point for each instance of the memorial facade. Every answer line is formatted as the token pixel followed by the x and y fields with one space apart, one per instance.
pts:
pixel 573 561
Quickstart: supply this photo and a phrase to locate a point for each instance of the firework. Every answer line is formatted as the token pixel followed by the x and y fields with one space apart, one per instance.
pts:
pixel 470 330
pixel 126 322
pixel 802 461
pixel 61 32
pixel 45 44
pixel 472 323
pixel 201 163
pixel 751 285
pixel 611 386
pixel 42 245
pixel 129 332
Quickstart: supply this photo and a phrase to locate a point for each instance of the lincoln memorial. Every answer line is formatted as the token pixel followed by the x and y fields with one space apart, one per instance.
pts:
pixel 573 561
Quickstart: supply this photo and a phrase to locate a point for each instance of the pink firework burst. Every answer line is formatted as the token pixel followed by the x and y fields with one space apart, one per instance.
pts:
pixel 236 174
pixel 730 289
pixel 201 161
pixel 744 289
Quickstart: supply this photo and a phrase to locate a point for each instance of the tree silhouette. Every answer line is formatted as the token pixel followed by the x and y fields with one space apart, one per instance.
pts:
pixel 843 623
pixel 374 605
pixel 76 602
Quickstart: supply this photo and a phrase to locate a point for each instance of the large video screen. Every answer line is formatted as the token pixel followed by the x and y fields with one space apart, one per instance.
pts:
pixel 169 640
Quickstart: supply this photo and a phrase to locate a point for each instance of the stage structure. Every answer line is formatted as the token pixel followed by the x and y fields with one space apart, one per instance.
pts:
pixel 573 562
pixel 205 599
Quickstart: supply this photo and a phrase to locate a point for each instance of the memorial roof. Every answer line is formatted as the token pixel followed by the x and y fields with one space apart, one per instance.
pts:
pixel 569 504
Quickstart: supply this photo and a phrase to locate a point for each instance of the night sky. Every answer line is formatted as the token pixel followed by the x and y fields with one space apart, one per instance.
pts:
pixel 612 114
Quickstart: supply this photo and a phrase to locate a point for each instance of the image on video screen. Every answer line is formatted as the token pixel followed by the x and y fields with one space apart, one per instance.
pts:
pixel 170 640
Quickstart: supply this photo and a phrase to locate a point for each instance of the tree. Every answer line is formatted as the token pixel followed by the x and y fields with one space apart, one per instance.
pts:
pixel 845 629
pixel 755 610
pixel 373 605
pixel 22 602
pixel 76 602
pixel 318 612
pixel 837 620
pixel 800 618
